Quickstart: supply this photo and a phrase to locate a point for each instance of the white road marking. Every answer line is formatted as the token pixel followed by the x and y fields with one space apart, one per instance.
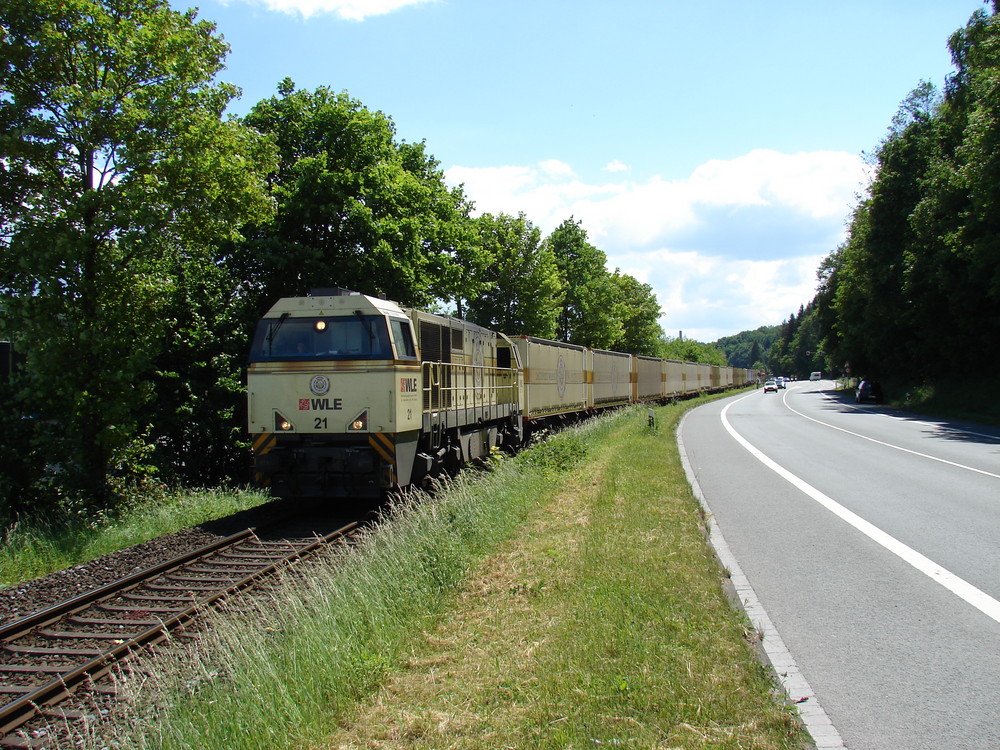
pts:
pixel 958 586
pixel 890 445
pixel 932 425
pixel 825 735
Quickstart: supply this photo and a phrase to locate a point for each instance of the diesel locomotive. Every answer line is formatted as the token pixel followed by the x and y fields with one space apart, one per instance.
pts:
pixel 355 396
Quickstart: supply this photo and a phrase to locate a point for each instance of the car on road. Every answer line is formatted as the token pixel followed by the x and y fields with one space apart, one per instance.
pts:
pixel 868 390
pixel 770 385
pixel 780 382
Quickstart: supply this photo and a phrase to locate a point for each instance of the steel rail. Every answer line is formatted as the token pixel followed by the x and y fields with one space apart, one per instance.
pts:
pixel 44 617
pixel 16 713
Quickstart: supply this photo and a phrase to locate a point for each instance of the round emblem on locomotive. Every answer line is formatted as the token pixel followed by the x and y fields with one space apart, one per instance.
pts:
pixel 319 385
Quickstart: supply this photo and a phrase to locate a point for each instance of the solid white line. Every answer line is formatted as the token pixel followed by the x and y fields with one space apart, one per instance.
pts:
pixel 932 425
pixel 890 445
pixel 800 692
pixel 961 588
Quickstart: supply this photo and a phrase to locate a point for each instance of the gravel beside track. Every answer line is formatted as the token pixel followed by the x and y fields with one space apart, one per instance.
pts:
pixel 279 525
pixel 28 597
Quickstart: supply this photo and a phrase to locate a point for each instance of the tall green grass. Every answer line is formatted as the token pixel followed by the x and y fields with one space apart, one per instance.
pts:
pixel 648 651
pixel 37 547
pixel 566 598
pixel 281 673
pixel 968 398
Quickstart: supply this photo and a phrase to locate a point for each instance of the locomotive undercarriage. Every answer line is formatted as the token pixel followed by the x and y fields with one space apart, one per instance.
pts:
pixel 444 450
pixel 368 465
pixel 316 466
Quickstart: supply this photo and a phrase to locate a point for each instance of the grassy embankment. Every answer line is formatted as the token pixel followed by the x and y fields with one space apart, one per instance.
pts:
pixel 565 599
pixel 31 549
pixel 968 399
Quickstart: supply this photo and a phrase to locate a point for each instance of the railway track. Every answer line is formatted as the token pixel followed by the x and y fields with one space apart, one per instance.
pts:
pixel 47 656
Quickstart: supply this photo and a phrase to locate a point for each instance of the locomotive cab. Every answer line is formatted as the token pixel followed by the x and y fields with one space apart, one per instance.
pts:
pixel 334 386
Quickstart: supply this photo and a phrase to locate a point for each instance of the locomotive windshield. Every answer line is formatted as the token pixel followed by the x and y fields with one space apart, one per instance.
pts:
pixel 288 339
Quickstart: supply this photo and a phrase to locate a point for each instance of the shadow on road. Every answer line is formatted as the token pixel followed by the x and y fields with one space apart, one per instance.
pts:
pixel 842 401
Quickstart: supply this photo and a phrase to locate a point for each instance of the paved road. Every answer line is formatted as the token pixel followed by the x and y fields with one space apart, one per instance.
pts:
pixel 872 540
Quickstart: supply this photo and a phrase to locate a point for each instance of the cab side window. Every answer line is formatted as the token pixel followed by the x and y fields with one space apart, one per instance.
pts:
pixel 402 337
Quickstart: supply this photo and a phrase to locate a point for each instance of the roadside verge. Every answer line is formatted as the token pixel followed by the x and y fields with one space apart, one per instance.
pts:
pixel 772 647
pixel 566 597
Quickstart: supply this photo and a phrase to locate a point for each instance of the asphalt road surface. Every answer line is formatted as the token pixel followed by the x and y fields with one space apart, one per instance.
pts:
pixel 871 538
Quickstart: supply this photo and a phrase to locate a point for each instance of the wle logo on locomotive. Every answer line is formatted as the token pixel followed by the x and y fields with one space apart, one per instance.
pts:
pixel 321 404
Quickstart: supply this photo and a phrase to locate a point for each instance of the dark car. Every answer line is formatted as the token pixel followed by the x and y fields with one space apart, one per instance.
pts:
pixel 868 390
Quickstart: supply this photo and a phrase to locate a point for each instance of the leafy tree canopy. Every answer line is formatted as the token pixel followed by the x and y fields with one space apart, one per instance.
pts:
pixel 689 350
pixel 354 208
pixel 589 315
pixel 522 292
pixel 914 291
pixel 639 311
pixel 747 349
pixel 116 172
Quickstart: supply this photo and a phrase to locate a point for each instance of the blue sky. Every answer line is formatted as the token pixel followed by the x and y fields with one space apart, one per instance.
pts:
pixel 712 150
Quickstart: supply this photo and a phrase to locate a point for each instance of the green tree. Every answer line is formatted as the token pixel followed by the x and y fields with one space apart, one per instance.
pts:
pixel 522 292
pixel 914 292
pixel 639 312
pixel 589 315
pixel 796 350
pixel 748 348
pixel 354 208
pixel 116 171
pixel 806 345
pixel 199 401
pixel 689 350
pixel 954 261
pixel 872 326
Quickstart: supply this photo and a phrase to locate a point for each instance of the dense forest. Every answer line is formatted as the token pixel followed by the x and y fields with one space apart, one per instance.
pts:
pixel 914 292
pixel 749 348
pixel 912 297
pixel 143 231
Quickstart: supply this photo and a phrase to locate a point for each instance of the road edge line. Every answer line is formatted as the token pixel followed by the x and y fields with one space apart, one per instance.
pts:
pixel 786 670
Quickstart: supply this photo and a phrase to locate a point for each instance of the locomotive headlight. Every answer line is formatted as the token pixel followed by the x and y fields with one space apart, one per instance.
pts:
pixel 320 325
pixel 281 424
pixel 359 423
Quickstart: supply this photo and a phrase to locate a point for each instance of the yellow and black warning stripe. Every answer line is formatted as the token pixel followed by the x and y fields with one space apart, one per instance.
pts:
pixel 382 443
pixel 262 443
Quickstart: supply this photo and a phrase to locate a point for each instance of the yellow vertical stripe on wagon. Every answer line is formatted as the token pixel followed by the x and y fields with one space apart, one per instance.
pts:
pixel 382 444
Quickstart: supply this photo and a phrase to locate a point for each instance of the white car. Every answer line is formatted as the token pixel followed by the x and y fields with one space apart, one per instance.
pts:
pixel 779 382
pixel 770 385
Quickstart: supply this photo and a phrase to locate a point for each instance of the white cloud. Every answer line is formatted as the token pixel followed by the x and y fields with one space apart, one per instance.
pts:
pixel 351 10
pixel 813 182
pixel 555 168
pixel 710 297
pixel 815 188
pixel 616 166
pixel 732 247
pixel 540 192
